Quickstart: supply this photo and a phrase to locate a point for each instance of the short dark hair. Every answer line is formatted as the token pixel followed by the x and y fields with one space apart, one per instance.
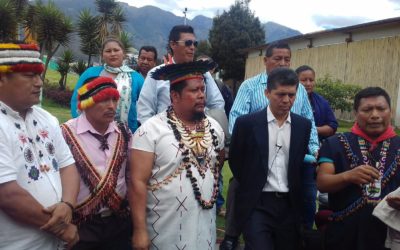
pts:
pixel 276 45
pixel 149 49
pixel 178 87
pixel 370 92
pixel 304 68
pixel 175 33
pixel 282 76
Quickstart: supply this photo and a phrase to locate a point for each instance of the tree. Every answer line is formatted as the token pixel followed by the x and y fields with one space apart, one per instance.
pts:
pixel 9 20
pixel 232 31
pixel 88 33
pixel 64 66
pixel 79 67
pixel 125 39
pixel 52 28
pixel 203 49
pixel 110 19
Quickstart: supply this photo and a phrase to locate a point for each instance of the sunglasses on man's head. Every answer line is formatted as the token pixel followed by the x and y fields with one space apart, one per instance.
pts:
pixel 189 43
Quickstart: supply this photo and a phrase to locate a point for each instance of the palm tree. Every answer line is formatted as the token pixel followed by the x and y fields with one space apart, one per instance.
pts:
pixel 64 66
pixel 9 20
pixel 88 34
pixel 21 7
pixel 79 67
pixel 111 15
pixel 52 28
pixel 125 39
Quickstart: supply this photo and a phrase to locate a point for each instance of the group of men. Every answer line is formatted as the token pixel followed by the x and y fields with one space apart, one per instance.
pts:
pixel 91 184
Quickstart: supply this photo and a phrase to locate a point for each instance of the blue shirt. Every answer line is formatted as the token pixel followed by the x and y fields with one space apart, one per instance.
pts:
pixel 154 97
pixel 251 98
pixel 323 114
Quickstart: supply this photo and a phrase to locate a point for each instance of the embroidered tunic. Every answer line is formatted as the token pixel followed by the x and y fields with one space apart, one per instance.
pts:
pixel 353 226
pixel 24 146
pixel 175 220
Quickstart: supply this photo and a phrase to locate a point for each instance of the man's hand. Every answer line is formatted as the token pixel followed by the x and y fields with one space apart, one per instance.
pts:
pixel 393 201
pixel 362 174
pixel 70 235
pixel 140 240
pixel 61 215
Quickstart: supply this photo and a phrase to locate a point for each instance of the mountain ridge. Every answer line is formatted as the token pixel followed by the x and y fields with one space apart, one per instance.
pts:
pixel 150 25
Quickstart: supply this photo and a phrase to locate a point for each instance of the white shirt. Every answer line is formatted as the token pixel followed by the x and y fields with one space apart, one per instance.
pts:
pixel 278 155
pixel 154 97
pixel 24 145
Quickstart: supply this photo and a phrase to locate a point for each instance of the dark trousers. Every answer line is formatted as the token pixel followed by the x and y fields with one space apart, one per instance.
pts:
pixel 309 196
pixel 105 233
pixel 231 227
pixel 273 225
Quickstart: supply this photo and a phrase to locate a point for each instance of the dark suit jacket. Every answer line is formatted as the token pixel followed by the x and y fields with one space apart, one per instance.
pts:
pixel 248 160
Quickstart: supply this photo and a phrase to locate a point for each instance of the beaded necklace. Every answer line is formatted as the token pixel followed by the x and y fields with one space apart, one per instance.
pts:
pixel 373 190
pixel 194 148
pixel 353 159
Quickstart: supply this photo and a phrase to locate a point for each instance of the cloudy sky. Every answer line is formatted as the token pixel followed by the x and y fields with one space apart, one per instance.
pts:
pixel 303 15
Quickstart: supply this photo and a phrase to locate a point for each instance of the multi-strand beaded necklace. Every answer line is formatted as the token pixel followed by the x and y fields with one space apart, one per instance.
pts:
pixel 195 145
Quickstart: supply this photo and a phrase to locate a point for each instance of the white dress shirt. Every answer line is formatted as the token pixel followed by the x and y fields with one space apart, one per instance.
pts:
pixel 278 154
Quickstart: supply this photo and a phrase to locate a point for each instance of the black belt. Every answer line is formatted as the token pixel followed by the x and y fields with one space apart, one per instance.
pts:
pixel 279 195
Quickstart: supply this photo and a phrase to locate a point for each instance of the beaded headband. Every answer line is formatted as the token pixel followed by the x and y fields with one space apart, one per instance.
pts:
pixel 20 58
pixel 176 73
pixel 98 90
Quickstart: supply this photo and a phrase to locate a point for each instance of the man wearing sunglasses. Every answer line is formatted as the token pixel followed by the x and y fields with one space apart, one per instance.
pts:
pixel 154 96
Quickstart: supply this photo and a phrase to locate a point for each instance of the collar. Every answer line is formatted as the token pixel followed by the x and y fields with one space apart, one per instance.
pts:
pixel 271 117
pixel 11 112
pixel 83 126
pixel 389 133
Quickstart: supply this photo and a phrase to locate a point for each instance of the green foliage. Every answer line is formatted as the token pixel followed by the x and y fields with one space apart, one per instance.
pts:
pixel 339 95
pixel 203 48
pixel 90 45
pixel 79 67
pixel 64 66
pixel 126 40
pixel 110 19
pixel 232 31
pixel 52 28
pixel 9 20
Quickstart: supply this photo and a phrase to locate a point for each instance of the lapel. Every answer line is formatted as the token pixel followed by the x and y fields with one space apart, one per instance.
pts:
pixel 260 130
pixel 294 141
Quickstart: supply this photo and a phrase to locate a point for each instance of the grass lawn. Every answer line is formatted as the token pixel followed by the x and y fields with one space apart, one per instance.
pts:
pixel 53 77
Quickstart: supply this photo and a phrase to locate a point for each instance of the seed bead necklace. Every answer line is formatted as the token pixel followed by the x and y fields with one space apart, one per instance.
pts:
pixel 194 147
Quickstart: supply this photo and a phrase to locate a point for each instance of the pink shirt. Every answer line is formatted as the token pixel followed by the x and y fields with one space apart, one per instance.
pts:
pixel 99 158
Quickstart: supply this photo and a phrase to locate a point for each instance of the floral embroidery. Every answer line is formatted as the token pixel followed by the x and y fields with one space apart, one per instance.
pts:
pixel 28 154
pixel 34 173
pixel 50 148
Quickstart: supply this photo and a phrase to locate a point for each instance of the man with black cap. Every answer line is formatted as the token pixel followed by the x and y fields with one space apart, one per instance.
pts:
pixel 175 166
pixel 38 179
pixel 100 147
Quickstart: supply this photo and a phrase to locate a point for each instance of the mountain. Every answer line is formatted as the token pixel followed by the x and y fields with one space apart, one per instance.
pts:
pixel 150 25
pixel 275 31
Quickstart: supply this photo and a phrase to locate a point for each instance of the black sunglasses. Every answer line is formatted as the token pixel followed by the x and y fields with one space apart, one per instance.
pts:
pixel 189 43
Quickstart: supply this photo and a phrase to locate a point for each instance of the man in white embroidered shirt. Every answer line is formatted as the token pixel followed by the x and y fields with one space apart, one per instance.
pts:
pixel 38 179
pixel 266 156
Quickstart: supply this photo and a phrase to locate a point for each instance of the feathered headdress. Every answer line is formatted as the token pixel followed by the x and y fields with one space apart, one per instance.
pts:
pixel 97 90
pixel 176 73
pixel 20 58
